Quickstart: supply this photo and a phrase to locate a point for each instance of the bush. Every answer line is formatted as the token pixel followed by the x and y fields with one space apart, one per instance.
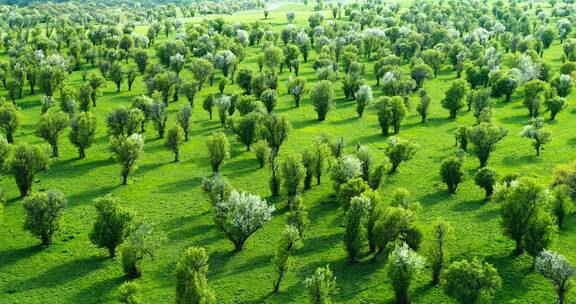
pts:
pixel 218 189
pixel 345 169
pixel 218 150
pixel 27 161
pixel 293 172
pixel 127 150
pixel 400 150
pixel 352 188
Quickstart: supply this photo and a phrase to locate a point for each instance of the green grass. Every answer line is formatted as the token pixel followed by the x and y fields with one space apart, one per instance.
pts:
pixel 168 194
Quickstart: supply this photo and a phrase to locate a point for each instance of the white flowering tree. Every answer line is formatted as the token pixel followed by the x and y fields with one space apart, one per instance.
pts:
pixel 363 98
pixel 536 132
pixel 347 168
pixel 241 215
pixel 403 265
pixel 556 268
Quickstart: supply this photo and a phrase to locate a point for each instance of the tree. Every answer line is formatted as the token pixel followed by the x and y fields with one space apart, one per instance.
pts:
pixel 9 120
pixel 521 207
pixel 262 152
pixel 202 69
pixel 124 122
pixel 159 116
pixel 82 131
pixel 131 77
pixel 130 293
pixel 43 212
pixel 112 225
pixel 281 259
pixel 175 140
pixel 433 58
pixel 293 172
pixel 246 128
pixel 296 88
pixel 561 205
pixel 117 75
pixel 546 35
pixel 486 178
pixel 363 98
pixel 96 82
pixel 398 111
pixel 400 150
pixel 442 230
pixel 355 226
pixel 423 106
pixel 190 89
pixel 557 269
pixel 127 150
pixel 275 129
pixel 269 99
pixel 471 281
pixel 536 132
pixel 27 161
pixel 454 98
pixel 141 59
pixel 484 137
pixel 420 73
pixel 143 241
pixel 244 79
pixel 218 150
pixel 554 106
pixel 563 85
pixel 50 126
pixel 322 96
pixel 184 119
pixel 272 57
pixel 395 224
pixel 403 264
pixel 321 286
pixel 347 168
pixel 241 215
pixel 534 92
pixel 208 103
pixel 191 282
pixel 504 86
pixel 84 96
pixel 451 173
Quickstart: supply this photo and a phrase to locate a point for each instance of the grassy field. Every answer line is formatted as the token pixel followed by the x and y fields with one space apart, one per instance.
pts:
pixel 168 194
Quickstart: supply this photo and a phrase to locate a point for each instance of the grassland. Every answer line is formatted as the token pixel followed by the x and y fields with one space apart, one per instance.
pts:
pixel 168 194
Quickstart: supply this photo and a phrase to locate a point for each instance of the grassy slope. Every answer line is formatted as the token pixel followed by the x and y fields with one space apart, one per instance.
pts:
pixel 168 194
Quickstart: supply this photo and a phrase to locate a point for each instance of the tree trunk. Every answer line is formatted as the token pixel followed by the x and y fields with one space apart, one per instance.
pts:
pixel 55 150
pixel 176 156
pixel 112 251
pixel 82 153
pixel 10 137
pixel 277 283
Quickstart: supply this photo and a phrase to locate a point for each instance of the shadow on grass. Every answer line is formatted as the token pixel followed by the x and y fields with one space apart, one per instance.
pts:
pixel 12 256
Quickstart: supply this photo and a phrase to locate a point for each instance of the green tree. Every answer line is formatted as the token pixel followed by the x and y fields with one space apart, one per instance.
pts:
pixel 117 75
pixel 454 98
pixel 82 131
pixel 202 69
pixel 130 293
pixel 127 150
pixel 484 137
pixel 159 117
pixel 321 286
pixel 442 230
pixel 403 264
pixel 218 150
pixel 246 128
pixel 322 96
pixel 486 178
pixel 536 132
pixel 293 173
pixel 420 73
pixel 124 122
pixel 184 119
pixel 50 126
pixel 244 79
pixel 355 227
pixel 27 161
pixel 175 140
pixel 269 99
pixel 43 212
pixel 471 281
pixel 141 59
pixel 400 150
pixel 191 282
pixel 9 120
pixel 451 173
pixel 112 225
pixel 521 207
pixel 281 259
pixel 143 241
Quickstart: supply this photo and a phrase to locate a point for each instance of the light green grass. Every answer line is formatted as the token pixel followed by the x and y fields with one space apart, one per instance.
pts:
pixel 167 194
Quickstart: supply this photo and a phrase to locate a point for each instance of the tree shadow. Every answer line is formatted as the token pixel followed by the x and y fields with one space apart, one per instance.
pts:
pixel 12 256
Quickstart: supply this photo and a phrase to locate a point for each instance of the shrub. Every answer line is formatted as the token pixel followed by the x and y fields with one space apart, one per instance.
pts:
pixel 486 179
pixel 471 281
pixel 403 264
pixel 127 150
pixel 191 282
pixel 27 161
pixel 321 286
pixel 355 226
pixel 451 173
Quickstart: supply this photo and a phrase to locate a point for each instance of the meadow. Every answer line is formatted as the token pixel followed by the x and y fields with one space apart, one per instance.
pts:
pixel 169 195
